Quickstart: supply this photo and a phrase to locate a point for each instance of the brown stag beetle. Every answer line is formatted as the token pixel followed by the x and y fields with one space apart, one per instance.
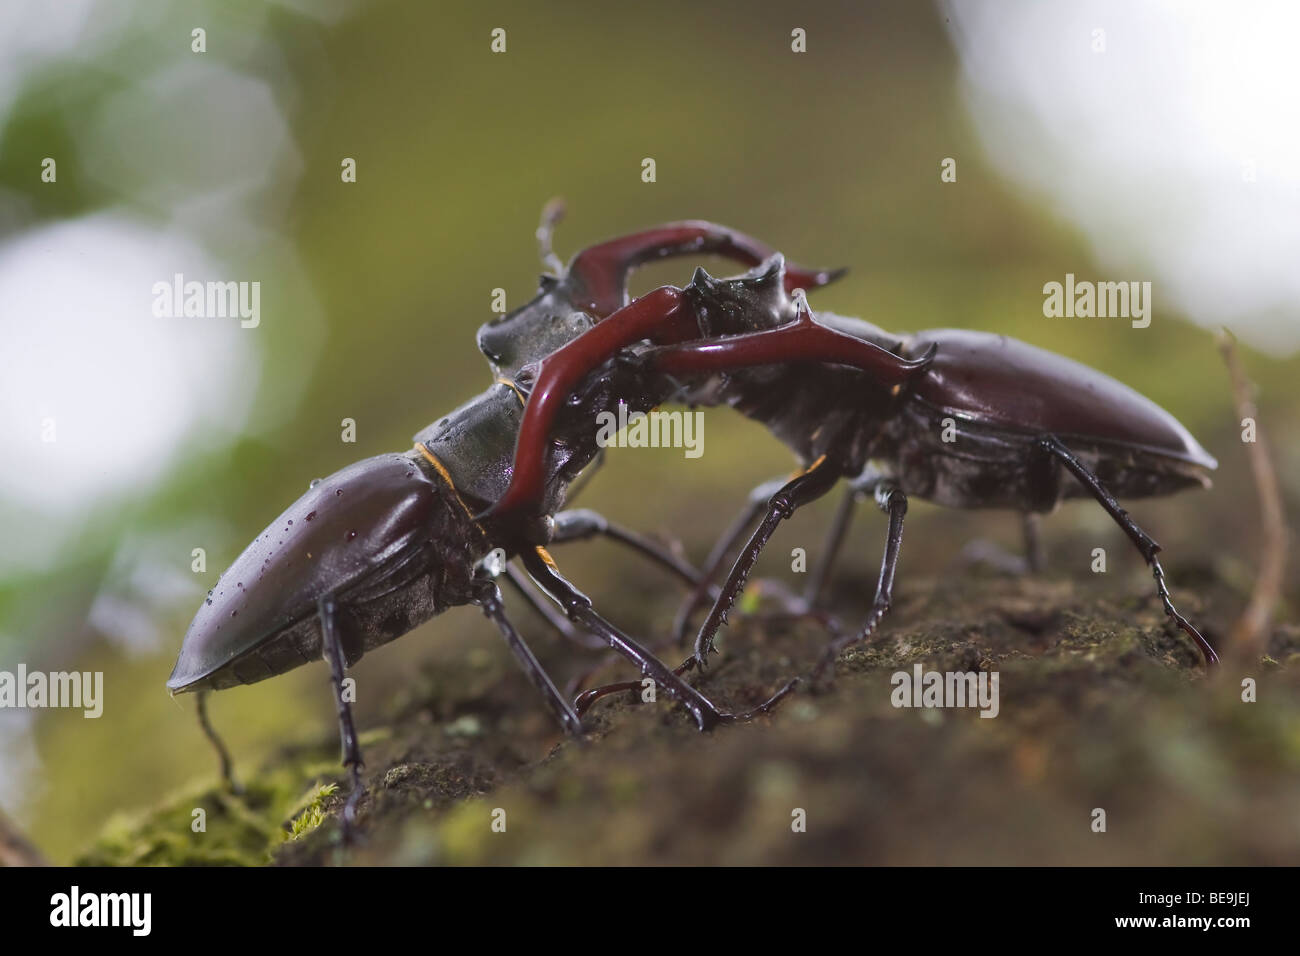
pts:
pixel 962 418
pixel 373 551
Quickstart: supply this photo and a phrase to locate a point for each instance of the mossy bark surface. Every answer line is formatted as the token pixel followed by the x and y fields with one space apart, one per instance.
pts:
pixel 1102 705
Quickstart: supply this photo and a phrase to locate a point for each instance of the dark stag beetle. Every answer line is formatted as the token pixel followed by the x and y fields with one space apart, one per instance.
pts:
pixel 382 546
pixel 961 418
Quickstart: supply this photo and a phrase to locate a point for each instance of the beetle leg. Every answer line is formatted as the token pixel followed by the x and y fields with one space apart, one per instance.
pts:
pixel 529 592
pixel 831 546
pixel 582 702
pixel 722 549
pixel 1145 544
pixel 820 477
pixel 865 484
pixel 597 276
pixel 795 607
pixel 580 524
pixel 893 502
pixel 489 600
pixel 332 648
pixel 227 765
pixel 577 606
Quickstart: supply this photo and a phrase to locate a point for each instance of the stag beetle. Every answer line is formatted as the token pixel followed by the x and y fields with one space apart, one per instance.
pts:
pixel 961 418
pixel 373 551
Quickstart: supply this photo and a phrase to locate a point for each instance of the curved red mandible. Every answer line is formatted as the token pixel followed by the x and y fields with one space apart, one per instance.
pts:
pixel 661 316
pixel 598 274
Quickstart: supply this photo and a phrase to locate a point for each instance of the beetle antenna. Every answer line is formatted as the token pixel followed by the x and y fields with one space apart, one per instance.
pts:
pixel 227 765
pixel 552 216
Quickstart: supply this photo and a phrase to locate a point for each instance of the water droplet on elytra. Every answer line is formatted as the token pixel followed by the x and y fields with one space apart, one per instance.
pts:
pixel 313 483
pixel 310 515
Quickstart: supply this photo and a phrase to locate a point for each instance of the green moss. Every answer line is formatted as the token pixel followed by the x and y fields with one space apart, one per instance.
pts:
pixel 210 826
pixel 312 814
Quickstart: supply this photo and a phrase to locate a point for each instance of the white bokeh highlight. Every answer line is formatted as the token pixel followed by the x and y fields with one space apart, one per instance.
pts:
pixel 124 388
pixel 1143 146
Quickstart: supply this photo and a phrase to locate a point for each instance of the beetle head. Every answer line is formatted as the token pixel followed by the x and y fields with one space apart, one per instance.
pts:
pixel 751 302
pixel 532 331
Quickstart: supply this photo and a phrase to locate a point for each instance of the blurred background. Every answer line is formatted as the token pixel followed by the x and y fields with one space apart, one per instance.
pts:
pixel 1117 141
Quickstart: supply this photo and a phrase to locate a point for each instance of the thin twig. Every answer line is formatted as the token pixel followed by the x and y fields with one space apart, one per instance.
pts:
pixel 1250 633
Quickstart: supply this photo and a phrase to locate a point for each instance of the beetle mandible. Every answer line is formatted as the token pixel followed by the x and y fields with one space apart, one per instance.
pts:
pixel 855 402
